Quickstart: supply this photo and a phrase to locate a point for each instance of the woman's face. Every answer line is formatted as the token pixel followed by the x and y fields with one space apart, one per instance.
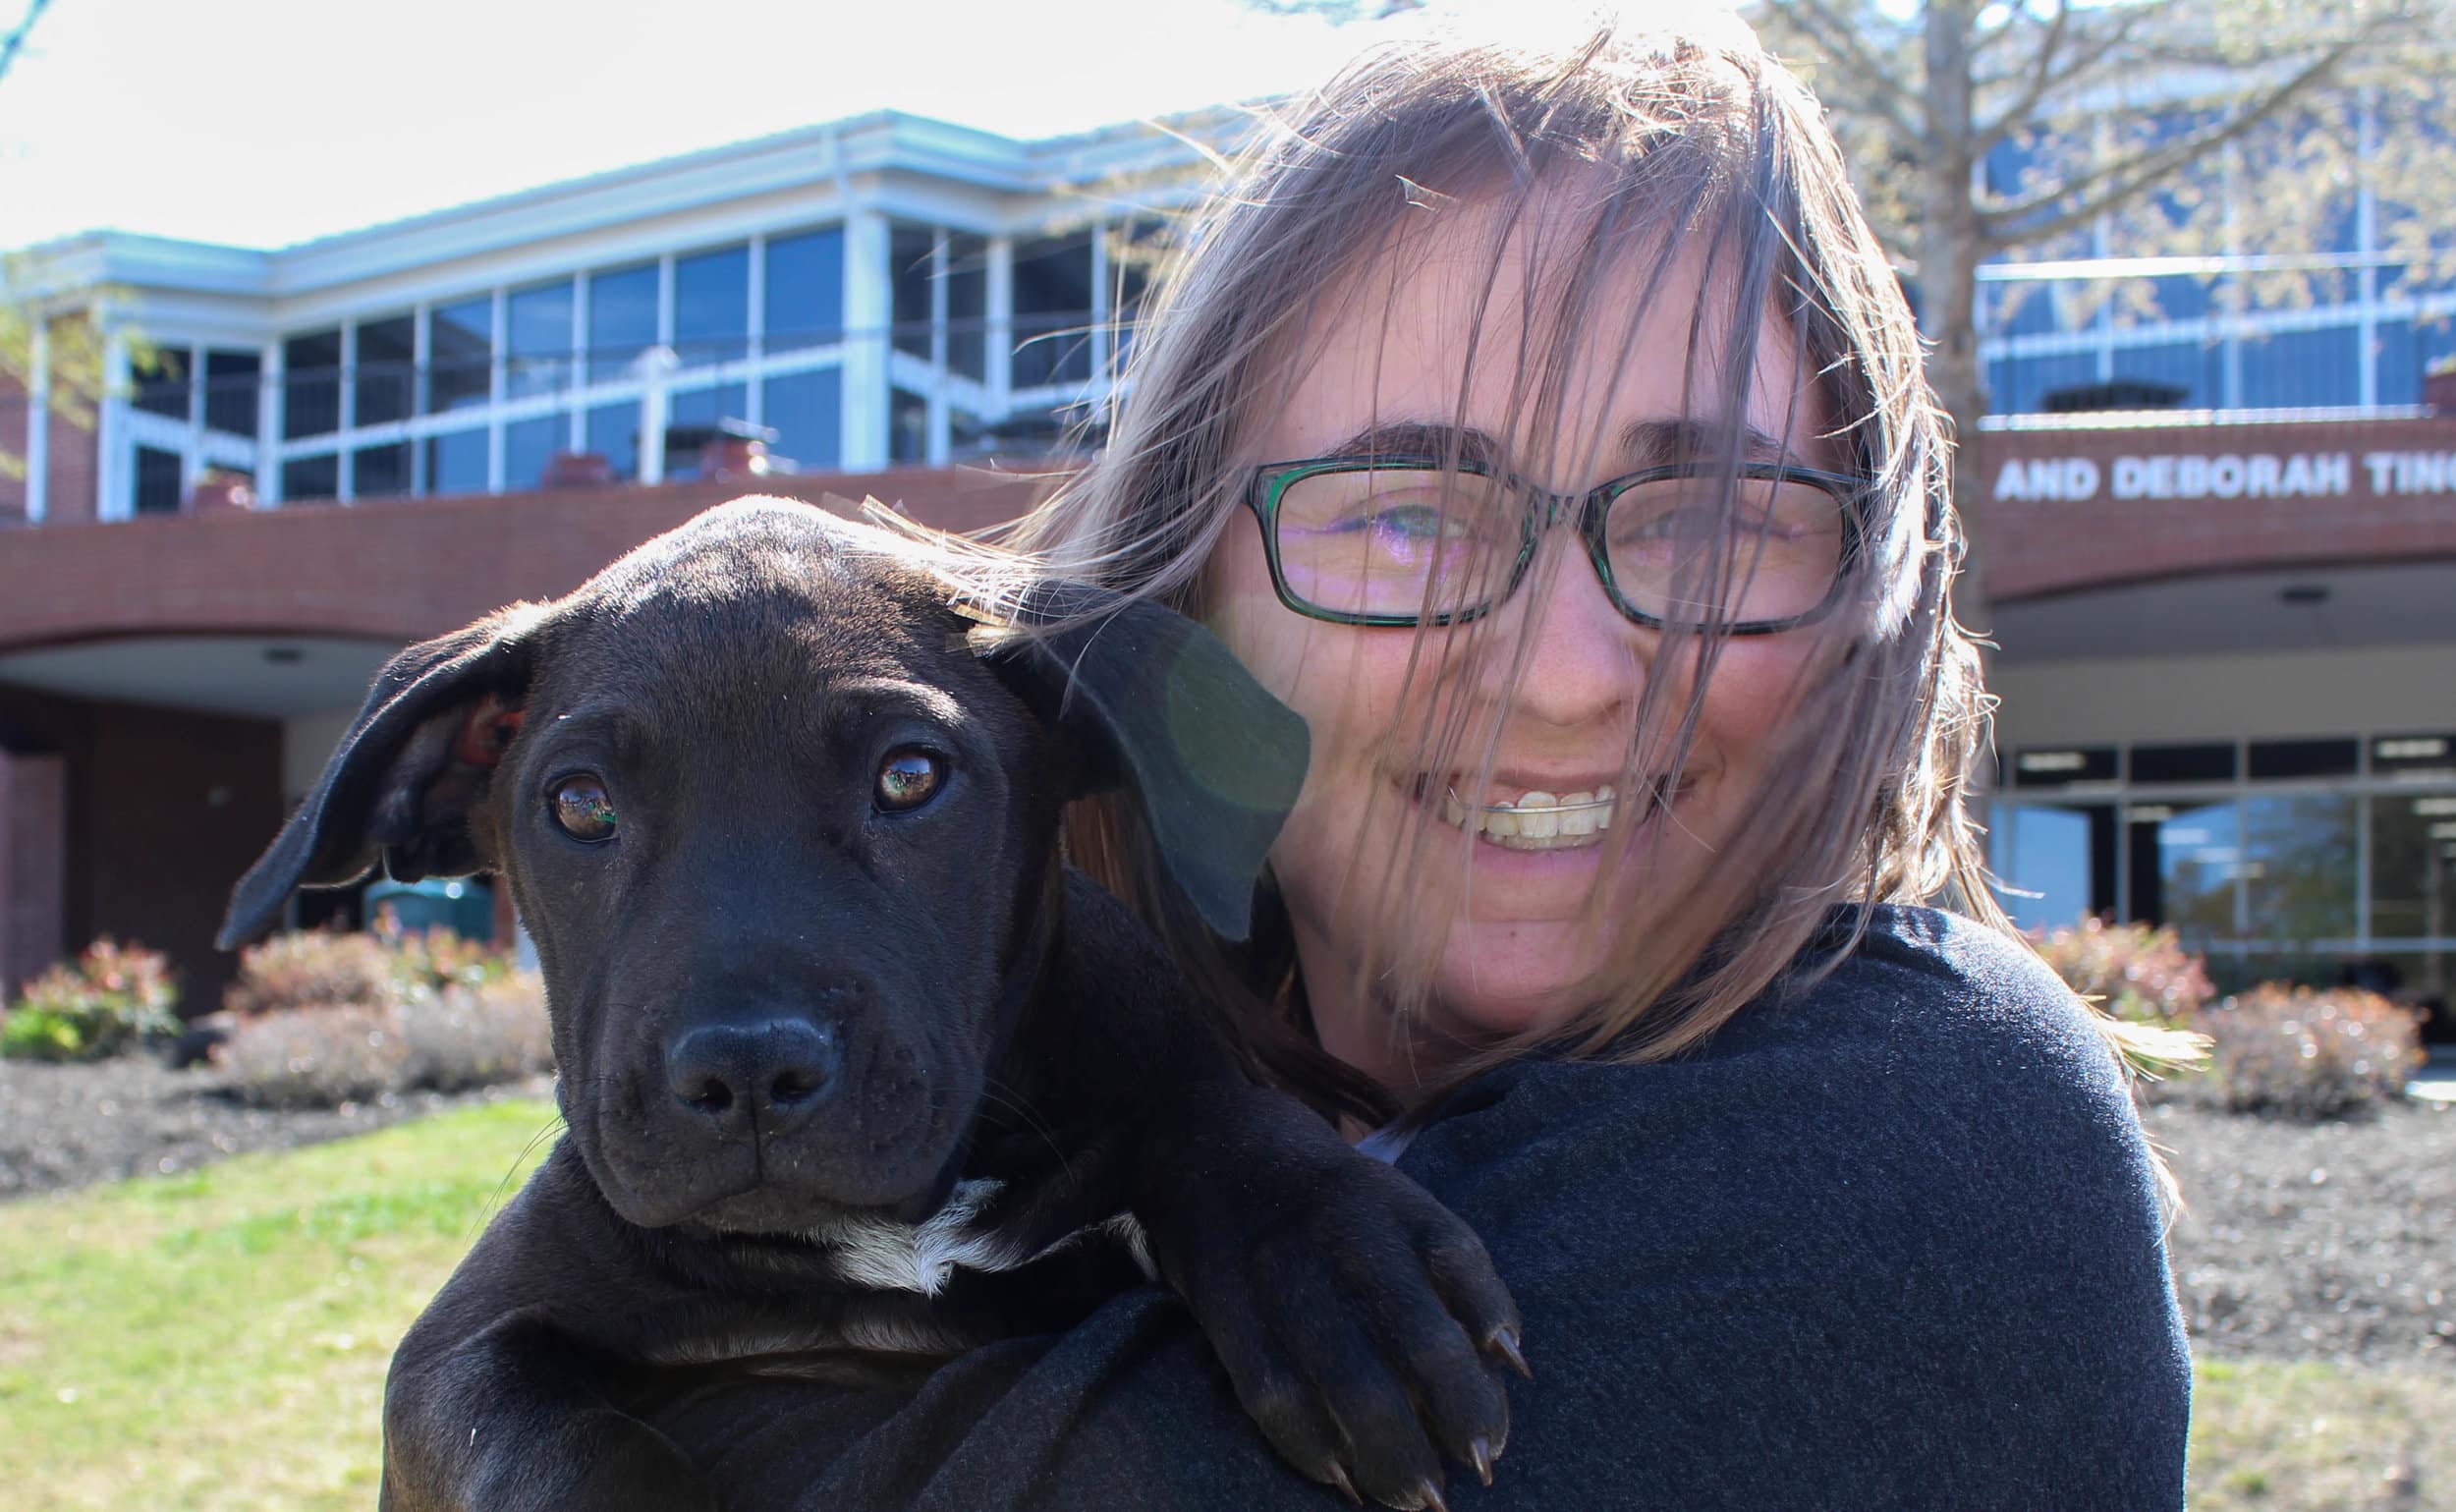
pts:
pixel 1521 942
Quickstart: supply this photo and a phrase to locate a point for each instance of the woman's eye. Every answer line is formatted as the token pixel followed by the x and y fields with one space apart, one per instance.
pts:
pixel 582 807
pixel 909 778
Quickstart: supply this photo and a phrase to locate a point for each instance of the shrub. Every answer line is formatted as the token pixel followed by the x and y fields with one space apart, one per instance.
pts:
pixel 319 1017
pixel 439 958
pixel 313 969
pixel 2133 971
pixel 2310 1054
pixel 349 1052
pixel 477 1035
pixel 112 999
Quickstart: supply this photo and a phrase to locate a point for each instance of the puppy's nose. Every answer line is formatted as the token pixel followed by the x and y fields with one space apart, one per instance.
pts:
pixel 765 1075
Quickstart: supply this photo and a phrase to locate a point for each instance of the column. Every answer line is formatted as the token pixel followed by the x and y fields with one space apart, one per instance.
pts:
pixel 868 312
pixel 38 432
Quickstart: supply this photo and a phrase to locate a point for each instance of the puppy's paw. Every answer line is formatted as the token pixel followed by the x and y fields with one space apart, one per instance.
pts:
pixel 1362 1324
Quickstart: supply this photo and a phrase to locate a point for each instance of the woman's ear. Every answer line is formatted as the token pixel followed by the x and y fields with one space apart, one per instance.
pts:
pixel 1147 699
pixel 400 786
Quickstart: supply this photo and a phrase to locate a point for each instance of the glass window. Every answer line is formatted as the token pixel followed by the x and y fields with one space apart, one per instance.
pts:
pixel 1137 252
pixel 2184 764
pixel 538 345
pixel 379 472
pixel 2413 867
pixel 614 434
pixel 968 305
pixel 456 462
pixel 527 446
pixel 310 390
pixel 2019 385
pixel 912 252
pixel 622 320
pixel 805 290
pixel 1052 310
pixel 2057 861
pixel 709 406
pixel 233 381
pixel 459 352
pixel 2273 759
pixel 2300 858
pixel 386 367
pixel 161 388
pixel 804 408
pixel 157 481
pixel 712 306
pixel 2405 350
pixel 2018 306
pixel 2055 767
pixel 2414 756
pixel 2188 857
pixel 2302 370
pixel 908 426
pixel 2193 371
pixel 305 478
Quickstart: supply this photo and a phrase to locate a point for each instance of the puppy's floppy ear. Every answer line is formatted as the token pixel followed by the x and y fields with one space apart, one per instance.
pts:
pixel 1148 699
pixel 401 783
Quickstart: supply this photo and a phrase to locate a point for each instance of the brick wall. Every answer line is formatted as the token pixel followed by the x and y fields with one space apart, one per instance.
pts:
pixel 160 813
pixel 2279 514
pixel 33 862
pixel 398 570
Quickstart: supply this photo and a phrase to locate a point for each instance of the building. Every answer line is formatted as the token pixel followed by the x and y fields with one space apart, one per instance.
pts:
pixel 2229 656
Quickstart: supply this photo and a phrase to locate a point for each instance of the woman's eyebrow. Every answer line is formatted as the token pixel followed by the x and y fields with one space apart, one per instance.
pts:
pixel 1655 443
pixel 1419 438
pixel 1645 443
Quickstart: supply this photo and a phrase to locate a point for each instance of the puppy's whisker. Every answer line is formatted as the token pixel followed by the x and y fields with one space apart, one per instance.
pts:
pixel 992 1092
pixel 494 1199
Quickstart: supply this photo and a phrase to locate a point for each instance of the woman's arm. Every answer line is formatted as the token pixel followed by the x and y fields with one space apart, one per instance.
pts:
pixel 1896 1244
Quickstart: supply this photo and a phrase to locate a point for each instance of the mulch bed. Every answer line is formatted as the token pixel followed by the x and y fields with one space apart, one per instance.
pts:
pixel 2331 1241
pixel 71 1125
pixel 2326 1241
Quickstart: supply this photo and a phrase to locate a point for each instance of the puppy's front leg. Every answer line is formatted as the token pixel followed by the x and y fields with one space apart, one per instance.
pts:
pixel 501 1396
pixel 1360 1320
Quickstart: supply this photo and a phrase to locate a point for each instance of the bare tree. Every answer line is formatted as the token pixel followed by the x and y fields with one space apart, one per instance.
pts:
pixel 2193 127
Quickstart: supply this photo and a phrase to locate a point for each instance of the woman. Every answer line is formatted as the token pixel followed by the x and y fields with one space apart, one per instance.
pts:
pixel 1549 429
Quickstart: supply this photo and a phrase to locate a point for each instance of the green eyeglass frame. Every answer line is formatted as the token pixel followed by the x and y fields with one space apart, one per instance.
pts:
pixel 1272 481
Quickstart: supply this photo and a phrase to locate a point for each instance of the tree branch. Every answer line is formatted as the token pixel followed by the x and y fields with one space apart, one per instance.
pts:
pixel 2115 182
pixel 2048 81
pixel 1877 88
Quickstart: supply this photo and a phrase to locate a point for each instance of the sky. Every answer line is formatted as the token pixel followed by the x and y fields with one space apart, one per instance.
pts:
pixel 262 122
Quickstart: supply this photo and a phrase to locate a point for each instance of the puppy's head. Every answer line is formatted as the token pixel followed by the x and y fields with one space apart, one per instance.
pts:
pixel 785 841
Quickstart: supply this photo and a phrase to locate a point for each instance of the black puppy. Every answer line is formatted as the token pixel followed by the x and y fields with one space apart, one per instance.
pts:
pixel 854 1072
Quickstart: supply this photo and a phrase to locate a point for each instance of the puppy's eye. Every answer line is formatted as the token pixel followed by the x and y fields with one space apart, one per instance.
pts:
pixel 909 778
pixel 583 809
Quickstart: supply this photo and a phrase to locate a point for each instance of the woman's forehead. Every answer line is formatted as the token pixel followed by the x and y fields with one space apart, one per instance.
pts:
pixel 1465 324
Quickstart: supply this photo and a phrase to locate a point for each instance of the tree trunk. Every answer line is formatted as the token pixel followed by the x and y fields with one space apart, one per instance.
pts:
pixel 1948 266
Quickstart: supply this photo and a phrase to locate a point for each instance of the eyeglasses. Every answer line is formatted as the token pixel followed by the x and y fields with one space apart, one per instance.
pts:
pixel 1409 541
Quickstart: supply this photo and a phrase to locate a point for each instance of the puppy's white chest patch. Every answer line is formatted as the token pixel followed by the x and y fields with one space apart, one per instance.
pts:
pixel 921 1256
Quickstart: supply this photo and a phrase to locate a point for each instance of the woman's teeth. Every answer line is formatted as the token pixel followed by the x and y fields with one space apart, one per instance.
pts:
pixel 1539 820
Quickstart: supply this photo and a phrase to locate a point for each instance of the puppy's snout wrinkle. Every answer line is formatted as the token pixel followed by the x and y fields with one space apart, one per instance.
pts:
pixel 765 1077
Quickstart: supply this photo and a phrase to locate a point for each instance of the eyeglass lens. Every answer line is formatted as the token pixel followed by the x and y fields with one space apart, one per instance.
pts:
pixel 1405 541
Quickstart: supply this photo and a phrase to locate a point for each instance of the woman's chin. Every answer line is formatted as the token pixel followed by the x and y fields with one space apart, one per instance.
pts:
pixel 1500 980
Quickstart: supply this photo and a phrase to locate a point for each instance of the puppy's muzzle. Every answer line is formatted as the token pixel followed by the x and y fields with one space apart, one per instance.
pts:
pixel 763 1078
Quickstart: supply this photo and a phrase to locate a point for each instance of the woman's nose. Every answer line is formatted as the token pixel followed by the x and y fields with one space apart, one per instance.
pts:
pixel 1576 657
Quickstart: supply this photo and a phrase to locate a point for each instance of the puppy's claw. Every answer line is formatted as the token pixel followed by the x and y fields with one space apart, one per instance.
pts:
pixel 1343 1485
pixel 1504 1343
pixel 1432 1497
pixel 1480 1451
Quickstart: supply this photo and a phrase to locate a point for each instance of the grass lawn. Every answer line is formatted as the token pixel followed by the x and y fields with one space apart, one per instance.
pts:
pixel 218 1340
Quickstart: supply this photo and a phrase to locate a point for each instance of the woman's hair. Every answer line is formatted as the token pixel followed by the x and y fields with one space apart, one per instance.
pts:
pixel 1613 158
